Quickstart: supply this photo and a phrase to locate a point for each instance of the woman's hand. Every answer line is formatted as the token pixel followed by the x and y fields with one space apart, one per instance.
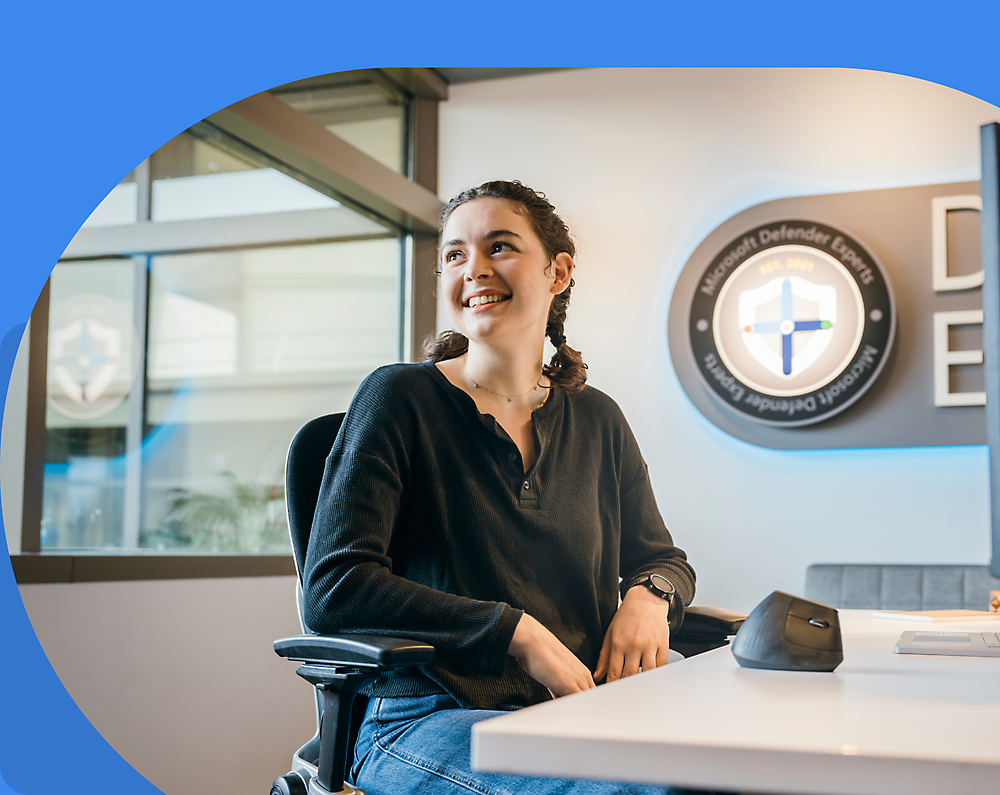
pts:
pixel 545 659
pixel 639 636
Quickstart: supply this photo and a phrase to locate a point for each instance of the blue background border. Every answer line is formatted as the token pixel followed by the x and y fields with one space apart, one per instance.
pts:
pixel 93 89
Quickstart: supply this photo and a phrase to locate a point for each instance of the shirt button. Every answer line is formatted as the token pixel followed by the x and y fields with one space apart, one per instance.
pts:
pixel 512 456
pixel 526 485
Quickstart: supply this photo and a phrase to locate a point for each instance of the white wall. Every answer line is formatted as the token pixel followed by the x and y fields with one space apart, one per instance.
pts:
pixel 179 675
pixel 643 164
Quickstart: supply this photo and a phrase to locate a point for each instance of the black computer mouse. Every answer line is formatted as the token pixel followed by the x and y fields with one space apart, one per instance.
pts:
pixel 787 633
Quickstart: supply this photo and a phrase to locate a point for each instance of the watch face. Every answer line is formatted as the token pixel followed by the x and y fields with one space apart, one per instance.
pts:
pixel 661 584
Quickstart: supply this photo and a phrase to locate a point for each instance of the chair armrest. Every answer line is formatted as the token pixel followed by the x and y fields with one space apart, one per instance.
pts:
pixel 711 619
pixel 355 650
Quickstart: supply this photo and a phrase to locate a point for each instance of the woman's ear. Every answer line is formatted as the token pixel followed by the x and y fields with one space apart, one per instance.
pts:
pixel 561 272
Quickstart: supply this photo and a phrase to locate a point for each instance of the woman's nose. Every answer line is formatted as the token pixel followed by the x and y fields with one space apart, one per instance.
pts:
pixel 477 267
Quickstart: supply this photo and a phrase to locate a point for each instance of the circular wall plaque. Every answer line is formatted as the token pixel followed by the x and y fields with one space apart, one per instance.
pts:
pixel 792 322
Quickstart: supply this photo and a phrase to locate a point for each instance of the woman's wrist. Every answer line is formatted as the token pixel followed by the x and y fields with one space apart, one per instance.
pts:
pixel 645 597
pixel 523 633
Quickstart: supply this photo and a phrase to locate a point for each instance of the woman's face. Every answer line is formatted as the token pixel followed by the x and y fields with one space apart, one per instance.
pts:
pixel 495 275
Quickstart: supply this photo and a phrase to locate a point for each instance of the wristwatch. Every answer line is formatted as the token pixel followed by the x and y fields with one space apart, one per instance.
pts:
pixel 660 586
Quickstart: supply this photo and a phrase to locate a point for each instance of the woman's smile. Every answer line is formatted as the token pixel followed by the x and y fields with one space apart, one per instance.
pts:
pixel 485 300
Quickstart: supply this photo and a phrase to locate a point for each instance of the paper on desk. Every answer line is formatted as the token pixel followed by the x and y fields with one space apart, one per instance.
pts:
pixel 936 615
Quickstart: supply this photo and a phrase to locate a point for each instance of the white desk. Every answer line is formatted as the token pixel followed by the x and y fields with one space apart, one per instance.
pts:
pixel 881 723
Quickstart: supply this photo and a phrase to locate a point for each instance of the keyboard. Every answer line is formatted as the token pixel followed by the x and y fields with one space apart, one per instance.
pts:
pixel 953 644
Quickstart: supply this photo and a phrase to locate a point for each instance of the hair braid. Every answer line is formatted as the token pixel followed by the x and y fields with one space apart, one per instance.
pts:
pixel 566 369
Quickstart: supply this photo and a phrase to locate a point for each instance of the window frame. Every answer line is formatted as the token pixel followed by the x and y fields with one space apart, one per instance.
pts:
pixel 266 125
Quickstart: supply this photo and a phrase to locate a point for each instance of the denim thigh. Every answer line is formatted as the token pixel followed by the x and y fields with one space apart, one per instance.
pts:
pixel 421 744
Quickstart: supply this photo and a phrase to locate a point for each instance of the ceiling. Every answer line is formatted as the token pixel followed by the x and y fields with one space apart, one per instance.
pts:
pixel 473 74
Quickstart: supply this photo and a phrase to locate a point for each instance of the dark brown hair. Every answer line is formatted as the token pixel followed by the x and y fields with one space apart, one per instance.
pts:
pixel 566 369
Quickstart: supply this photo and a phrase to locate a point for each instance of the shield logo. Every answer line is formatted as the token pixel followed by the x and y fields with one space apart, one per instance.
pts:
pixel 92 361
pixel 788 323
pixel 788 333
pixel 85 359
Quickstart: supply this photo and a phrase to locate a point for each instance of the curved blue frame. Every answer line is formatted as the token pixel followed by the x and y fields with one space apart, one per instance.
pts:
pixel 70 68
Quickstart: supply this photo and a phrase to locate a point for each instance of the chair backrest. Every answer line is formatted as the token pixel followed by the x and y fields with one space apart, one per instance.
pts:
pixel 901 586
pixel 304 467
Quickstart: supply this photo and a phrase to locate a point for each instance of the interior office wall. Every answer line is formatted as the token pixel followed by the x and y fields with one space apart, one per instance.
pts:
pixel 179 675
pixel 643 164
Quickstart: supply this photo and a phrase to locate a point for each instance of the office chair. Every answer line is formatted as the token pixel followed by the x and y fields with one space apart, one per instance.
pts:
pixel 341 665
pixel 901 586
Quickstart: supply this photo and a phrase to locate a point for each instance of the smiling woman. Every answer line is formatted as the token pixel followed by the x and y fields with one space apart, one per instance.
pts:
pixel 495 507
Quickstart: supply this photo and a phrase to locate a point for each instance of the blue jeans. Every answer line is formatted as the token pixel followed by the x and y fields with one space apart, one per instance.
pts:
pixel 421 745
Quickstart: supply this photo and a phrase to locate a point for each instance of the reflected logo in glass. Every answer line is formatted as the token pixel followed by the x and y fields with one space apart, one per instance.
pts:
pixel 91 361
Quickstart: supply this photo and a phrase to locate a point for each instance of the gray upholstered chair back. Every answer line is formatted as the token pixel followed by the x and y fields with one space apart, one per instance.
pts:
pixel 901 587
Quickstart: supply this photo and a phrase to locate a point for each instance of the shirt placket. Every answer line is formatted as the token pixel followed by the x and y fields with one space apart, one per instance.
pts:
pixel 523 483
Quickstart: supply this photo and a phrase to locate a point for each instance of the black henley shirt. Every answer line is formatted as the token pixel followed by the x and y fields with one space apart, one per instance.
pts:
pixel 427 527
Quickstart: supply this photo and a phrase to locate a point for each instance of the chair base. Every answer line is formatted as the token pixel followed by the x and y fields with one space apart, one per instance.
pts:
pixel 301 783
pixel 315 788
pixel 302 779
pixel 289 784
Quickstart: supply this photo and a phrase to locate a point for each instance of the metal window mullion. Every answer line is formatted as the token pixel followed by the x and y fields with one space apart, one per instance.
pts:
pixel 144 192
pixel 132 509
pixel 406 140
pixel 422 283
pixel 990 246
pixel 34 436
pixel 134 431
pixel 205 234
pixel 422 292
pixel 423 142
pixel 405 335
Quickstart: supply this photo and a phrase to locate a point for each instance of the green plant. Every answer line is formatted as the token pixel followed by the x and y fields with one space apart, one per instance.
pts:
pixel 244 517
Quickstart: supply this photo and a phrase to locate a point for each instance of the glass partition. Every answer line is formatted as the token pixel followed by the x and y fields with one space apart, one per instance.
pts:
pixel 93 363
pixel 245 347
pixel 176 378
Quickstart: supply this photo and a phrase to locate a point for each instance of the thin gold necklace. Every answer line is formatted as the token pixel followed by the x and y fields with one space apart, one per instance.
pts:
pixel 509 397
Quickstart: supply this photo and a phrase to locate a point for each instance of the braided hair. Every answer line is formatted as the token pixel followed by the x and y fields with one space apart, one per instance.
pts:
pixel 566 369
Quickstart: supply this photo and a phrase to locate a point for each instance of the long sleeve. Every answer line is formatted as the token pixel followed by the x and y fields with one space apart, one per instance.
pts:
pixel 646 545
pixel 647 548
pixel 428 527
pixel 349 582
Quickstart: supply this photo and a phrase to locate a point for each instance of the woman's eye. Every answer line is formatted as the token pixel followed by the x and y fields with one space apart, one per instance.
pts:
pixel 451 256
pixel 500 246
